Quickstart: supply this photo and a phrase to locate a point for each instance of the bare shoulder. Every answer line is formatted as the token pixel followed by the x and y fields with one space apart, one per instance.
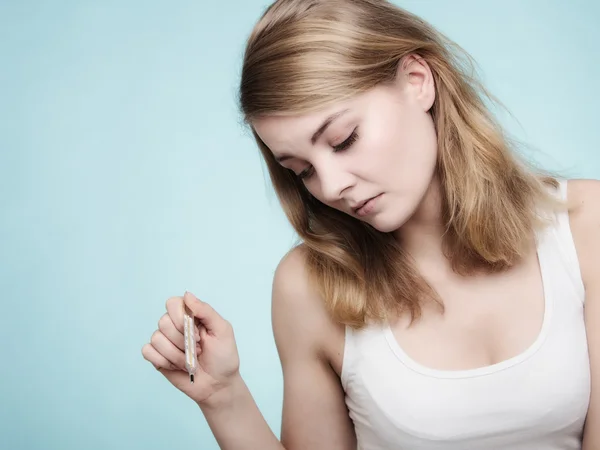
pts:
pixel 584 217
pixel 291 283
pixel 298 311
pixel 314 412
pixel 583 191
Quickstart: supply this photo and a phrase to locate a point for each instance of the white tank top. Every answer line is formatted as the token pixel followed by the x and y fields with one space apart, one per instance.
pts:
pixel 537 400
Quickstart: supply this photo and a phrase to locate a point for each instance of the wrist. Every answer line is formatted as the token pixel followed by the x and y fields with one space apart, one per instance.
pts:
pixel 225 396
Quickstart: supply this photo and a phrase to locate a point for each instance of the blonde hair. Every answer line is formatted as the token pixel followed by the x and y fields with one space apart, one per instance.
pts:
pixel 304 55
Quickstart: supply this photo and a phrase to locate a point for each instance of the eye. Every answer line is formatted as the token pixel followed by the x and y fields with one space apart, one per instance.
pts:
pixel 348 142
pixel 306 173
pixel 309 171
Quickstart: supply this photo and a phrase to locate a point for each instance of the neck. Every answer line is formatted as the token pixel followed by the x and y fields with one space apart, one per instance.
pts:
pixel 421 235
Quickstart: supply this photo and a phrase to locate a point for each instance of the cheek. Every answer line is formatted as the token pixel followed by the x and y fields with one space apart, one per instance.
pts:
pixel 411 152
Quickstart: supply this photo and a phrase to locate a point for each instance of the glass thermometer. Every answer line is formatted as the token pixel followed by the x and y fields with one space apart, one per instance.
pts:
pixel 191 359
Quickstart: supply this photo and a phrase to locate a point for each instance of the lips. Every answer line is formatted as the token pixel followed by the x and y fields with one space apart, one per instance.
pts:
pixel 360 205
pixel 355 207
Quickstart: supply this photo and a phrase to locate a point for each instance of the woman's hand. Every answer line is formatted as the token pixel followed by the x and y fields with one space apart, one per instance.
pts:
pixel 218 358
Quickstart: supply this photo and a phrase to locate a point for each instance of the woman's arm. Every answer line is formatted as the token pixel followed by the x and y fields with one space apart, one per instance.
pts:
pixel 236 422
pixel 585 225
pixel 315 416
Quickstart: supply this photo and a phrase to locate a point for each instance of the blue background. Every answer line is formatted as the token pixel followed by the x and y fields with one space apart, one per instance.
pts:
pixel 126 177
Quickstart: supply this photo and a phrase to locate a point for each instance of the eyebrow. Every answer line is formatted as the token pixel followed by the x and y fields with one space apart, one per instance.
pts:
pixel 325 124
pixel 317 134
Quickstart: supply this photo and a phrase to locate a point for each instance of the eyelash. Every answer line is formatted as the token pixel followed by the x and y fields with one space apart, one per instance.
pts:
pixel 306 173
pixel 347 143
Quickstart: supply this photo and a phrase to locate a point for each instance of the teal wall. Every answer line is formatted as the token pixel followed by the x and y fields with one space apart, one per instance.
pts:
pixel 126 178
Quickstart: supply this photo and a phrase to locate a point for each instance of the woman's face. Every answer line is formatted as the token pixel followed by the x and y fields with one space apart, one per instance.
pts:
pixel 379 147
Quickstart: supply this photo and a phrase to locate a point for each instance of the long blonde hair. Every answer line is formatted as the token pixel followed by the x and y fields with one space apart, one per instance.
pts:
pixel 304 55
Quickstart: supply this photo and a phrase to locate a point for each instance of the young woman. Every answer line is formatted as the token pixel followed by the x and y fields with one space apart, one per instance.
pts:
pixel 444 295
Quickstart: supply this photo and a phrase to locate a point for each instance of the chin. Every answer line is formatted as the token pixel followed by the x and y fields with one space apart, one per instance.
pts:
pixel 387 224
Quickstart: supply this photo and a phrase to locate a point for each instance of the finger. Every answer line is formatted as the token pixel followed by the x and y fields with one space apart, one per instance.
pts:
pixel 167 327
pixel 177 377
pixel 156 359
pixel 209 318
pixel 175 310
pixel 169 350
pixel 203 333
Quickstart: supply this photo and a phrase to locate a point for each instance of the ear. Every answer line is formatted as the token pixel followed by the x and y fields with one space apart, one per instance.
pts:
pixel 416 79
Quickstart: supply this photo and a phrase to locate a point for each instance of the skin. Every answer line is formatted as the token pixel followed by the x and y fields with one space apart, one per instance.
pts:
pixel 394 155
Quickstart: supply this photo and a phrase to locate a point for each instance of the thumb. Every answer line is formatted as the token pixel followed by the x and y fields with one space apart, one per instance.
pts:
pixel 209 318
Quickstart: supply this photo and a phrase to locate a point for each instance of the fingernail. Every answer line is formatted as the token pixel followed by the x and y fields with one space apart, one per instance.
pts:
pixel 193 296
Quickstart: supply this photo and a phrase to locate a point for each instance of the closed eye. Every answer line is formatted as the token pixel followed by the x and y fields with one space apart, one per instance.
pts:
pixel 308 172
pixel 348 142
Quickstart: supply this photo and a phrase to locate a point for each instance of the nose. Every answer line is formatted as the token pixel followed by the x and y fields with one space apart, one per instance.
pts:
pixel 334 181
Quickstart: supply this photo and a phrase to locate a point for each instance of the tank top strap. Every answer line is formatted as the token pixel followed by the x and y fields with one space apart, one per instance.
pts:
pixel 347 358
pixel 563 239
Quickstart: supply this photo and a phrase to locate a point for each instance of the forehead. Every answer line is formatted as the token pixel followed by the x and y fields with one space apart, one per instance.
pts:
pixel 278 130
